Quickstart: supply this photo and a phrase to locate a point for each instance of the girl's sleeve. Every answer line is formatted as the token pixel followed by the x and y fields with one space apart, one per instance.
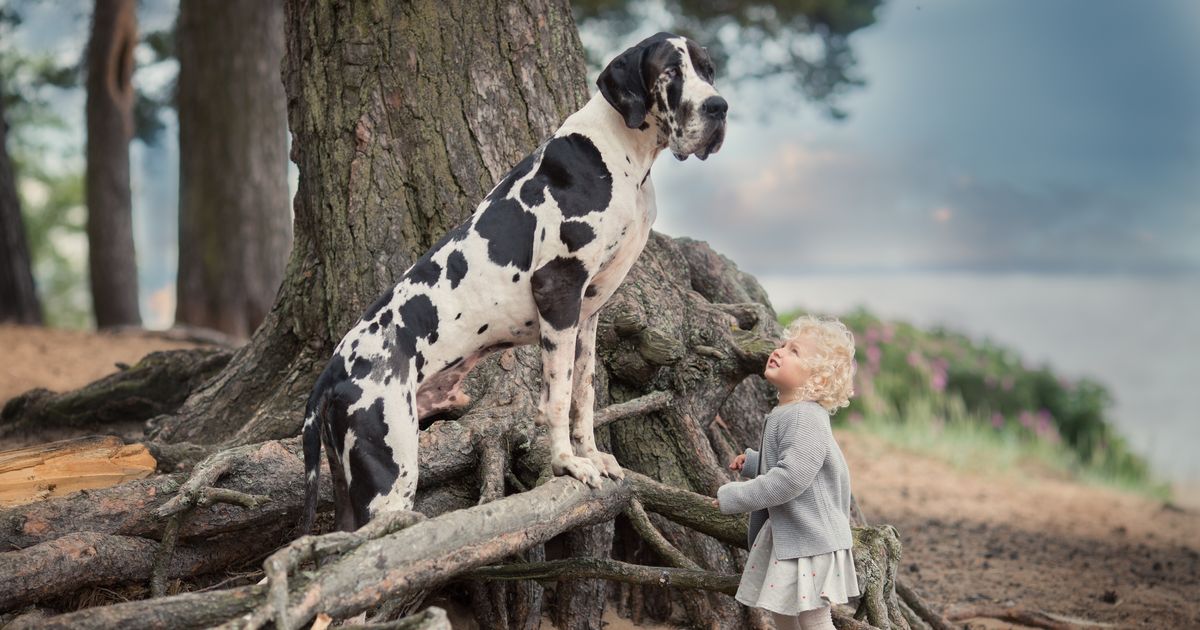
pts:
pixel 803 443
pixel 750 468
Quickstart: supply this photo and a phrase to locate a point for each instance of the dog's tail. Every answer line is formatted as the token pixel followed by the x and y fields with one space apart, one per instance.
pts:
pixel 314 420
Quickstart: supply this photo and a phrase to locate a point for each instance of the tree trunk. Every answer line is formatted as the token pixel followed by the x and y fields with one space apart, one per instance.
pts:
pixel 235 226
pixel 403 115
pixel 18 300
pixel 111 259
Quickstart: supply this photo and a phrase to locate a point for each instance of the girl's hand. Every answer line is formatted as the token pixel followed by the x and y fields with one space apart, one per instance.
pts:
pixel 738 462
pixel 716 504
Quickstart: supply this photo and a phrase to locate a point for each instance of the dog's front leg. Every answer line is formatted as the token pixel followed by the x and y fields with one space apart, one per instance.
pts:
pixel 558 293
pixel 583 399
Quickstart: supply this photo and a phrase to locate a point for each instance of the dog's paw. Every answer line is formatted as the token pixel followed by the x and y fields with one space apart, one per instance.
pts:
pixel 580 468
pixel 606 464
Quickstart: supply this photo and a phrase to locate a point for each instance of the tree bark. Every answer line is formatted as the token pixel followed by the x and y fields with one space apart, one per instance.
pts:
pixel 235 225
pixel 18 298
pixel 111 259
pixel 403 115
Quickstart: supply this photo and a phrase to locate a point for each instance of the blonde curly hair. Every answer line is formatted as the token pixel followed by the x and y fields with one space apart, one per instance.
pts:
pixel 832 382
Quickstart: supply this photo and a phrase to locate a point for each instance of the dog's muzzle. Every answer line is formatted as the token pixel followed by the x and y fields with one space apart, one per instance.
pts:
pixel 713 109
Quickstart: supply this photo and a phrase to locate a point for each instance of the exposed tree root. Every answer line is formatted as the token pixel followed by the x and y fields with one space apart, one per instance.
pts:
pixel 158 384
pixel 1023 616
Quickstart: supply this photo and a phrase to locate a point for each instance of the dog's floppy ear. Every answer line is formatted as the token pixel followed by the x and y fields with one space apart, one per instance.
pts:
pixel 624 86
pixel 624 83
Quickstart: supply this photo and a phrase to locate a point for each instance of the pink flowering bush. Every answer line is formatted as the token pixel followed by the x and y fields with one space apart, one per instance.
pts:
pixel 900 365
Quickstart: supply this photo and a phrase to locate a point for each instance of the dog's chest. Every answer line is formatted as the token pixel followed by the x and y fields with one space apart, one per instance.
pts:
pixel 631 229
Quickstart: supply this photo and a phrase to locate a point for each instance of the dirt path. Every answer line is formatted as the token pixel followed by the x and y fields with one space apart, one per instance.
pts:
pixel 1022 539
pixel 1032 541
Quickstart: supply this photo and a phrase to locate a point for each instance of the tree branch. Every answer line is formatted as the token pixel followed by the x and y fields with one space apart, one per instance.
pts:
pixel 641 522
pixel 591 568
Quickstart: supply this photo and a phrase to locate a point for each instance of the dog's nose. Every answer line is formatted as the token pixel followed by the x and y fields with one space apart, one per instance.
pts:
pixel 714 107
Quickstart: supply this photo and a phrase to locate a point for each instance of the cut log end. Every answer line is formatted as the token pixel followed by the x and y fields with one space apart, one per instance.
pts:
pixel 55 469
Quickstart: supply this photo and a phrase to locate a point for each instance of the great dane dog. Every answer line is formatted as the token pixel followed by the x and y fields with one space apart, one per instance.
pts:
pixel 542 253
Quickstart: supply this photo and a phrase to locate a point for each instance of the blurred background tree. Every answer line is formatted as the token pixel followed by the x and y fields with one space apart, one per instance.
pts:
pixel 235 225
pixel 18 300
pixel 112 262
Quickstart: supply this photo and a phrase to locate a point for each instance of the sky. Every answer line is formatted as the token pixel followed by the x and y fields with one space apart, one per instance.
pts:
pixel 991 135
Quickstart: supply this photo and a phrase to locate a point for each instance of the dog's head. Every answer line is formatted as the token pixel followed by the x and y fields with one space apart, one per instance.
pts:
pixel 668 80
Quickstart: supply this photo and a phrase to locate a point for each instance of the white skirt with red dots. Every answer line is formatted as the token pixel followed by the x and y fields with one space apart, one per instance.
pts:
pixel 789 587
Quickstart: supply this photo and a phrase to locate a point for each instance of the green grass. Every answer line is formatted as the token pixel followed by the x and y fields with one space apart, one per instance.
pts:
pixel 978 406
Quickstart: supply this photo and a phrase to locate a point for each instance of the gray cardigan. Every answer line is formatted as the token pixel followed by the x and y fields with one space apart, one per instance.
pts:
pixel 803 484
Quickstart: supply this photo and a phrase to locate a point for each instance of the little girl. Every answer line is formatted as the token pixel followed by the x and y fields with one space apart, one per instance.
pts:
pixel 798 491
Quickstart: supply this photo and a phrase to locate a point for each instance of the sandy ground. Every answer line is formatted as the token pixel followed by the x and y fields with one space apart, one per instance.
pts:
pixel 1021 539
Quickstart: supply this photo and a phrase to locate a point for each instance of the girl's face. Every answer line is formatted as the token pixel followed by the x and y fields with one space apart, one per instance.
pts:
pixel 786 368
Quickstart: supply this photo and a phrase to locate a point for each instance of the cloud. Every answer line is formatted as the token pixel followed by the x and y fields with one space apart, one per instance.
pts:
pixel 792 208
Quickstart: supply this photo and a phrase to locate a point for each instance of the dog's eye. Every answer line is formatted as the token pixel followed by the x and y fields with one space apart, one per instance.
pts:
pixel 672 72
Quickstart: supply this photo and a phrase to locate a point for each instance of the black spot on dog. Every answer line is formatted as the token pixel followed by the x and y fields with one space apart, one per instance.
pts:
pixel 575 234
pixel 508 229
pixel 701 61
pixel 557 289
pixel 578 348
pixel 547 345
pixel 573 172
pixel 627 160
pixel 354 344
pixel 425 271
pixel 420 360
pixel 418 320
pixel 360 368
pixel 458 317
pixel 590 291
pixel 456 268
pixel 543 234
pixel 481 329
pixel 516 277
pixel 373 328
pixel 372 467
pixel 385 319
pixel 506 183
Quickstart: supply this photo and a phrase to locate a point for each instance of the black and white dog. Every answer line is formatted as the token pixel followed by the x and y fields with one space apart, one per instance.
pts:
pixel 535 263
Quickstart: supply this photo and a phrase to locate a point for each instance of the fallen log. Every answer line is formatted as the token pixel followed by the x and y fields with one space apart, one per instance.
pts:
pixel 274 469
pixel 158 384
pixel 83 559
pixel 58 468
pixel 182 612
pixel 433 552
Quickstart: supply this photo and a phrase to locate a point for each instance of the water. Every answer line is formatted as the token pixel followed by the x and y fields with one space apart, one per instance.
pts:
pixel 1138 335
